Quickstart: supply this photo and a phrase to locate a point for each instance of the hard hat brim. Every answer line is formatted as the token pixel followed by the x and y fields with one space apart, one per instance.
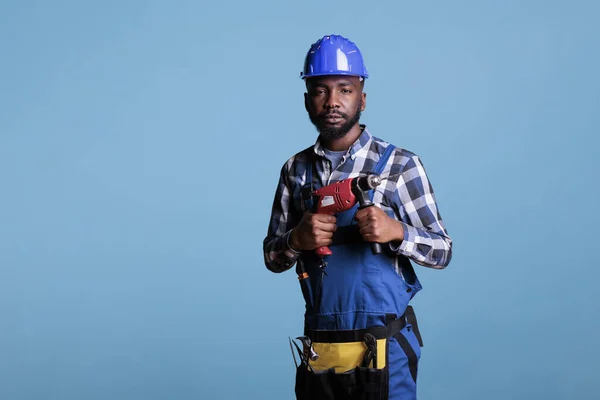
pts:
pixel 333 73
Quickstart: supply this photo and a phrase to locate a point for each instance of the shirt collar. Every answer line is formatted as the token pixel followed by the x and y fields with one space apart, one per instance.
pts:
pixel 359 146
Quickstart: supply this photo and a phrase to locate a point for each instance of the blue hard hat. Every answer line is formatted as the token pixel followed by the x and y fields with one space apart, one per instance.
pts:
pixel 334 55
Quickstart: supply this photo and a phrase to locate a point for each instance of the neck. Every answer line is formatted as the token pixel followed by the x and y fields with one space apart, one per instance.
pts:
pixel 345 142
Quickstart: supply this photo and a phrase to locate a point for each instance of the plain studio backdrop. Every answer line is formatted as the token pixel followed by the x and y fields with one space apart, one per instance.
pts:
pixel 140 146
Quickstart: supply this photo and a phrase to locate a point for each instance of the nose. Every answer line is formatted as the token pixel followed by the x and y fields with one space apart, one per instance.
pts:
pixel 332 100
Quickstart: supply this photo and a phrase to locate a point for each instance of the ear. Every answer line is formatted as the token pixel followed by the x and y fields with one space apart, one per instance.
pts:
pixel 363 101
pixel 306 102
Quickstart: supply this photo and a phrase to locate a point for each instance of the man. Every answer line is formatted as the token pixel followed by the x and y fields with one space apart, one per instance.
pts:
pixel 358 319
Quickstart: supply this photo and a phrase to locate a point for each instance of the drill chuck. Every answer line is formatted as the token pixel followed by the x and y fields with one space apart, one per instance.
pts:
pixel 368 182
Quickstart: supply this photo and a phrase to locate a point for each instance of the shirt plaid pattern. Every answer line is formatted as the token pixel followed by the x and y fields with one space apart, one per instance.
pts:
pixel 408 198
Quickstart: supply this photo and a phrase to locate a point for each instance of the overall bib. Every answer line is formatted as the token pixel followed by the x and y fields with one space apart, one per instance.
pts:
pixel 358 318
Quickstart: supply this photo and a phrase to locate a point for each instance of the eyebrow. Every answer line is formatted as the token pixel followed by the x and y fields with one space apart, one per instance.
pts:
pixel 341 83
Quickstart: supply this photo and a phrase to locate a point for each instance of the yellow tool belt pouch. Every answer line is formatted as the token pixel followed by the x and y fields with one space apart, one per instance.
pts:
pixel 347 364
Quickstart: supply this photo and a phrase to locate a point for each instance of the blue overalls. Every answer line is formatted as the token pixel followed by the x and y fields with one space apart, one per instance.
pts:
pixel 358 318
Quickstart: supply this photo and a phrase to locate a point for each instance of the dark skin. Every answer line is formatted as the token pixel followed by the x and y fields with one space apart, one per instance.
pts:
pixel 333 102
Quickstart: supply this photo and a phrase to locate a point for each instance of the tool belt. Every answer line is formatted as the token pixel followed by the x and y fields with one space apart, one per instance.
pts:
pixel 352 364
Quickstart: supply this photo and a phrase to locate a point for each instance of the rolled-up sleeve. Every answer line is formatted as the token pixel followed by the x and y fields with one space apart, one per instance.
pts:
pixel 426 240
pixel 278 255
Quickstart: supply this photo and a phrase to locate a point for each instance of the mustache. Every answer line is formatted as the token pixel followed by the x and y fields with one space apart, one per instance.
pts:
pixel 332 114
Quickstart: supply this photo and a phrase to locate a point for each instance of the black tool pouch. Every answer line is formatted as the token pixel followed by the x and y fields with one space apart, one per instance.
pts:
pixel 352 364
pixel 359 383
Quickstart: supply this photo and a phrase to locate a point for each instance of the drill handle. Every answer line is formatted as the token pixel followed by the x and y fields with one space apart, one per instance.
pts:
pixel 361 191
pixel 362 195
pixel 375 247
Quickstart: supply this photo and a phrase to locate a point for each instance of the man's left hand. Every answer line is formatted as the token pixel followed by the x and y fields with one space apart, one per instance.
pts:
pixel 376 226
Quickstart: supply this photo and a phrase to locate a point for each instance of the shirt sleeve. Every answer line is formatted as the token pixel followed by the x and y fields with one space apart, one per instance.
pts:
pixel 278 255
pixel 426 240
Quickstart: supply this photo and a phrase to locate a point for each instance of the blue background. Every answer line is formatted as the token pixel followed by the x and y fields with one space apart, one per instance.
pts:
pixel 140 146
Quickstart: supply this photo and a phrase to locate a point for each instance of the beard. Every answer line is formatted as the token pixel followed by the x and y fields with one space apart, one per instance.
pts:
pixel 328 133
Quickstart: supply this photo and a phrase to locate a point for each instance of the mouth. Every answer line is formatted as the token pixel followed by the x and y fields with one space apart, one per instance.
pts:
pixel 332 118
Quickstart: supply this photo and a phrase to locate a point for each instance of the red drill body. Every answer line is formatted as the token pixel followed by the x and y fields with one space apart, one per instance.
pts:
pixel 342 196
pixel 334 198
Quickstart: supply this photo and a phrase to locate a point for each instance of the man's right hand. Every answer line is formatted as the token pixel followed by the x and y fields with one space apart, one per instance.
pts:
pixel 313 231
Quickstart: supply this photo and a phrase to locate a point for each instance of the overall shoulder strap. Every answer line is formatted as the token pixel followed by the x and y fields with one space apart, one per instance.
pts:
pixel 381 164
pixel 384 158
pixel 307 188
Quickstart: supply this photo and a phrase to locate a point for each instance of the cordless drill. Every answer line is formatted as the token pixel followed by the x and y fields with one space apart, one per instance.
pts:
pixel 342 196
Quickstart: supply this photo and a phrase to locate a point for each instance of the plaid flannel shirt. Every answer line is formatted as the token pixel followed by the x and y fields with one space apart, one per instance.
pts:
pixel 408 198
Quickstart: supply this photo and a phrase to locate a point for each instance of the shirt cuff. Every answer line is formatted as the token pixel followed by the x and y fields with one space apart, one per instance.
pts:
pixel 407 245
pixel 286 238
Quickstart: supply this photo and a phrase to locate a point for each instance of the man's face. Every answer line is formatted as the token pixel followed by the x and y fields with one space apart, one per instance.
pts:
pixel 334 104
